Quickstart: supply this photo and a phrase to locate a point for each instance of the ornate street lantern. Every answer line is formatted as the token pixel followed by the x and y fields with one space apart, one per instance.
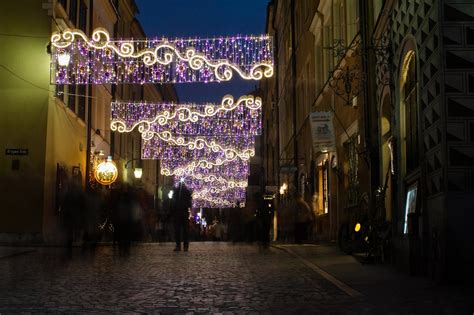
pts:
pixel 106 172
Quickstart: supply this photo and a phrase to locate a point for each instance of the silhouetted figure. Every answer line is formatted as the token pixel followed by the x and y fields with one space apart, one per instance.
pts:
pixel 303 219
pixel 181 209
pixel 264 218
pixel 72 208
pixel 93 212
pixel 218 230
pixel 123 220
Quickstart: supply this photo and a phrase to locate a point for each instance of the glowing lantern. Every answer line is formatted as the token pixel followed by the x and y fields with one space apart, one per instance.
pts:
pixel 357 227
pixel 63 59
pixel 138 173
pixel 106 172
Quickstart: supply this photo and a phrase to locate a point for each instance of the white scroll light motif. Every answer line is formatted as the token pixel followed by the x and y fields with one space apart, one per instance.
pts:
pixel 190 167
pixel 164 52
pixel 182 112
pixel 200 143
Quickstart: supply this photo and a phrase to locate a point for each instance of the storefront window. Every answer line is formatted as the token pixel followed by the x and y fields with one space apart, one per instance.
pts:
pixel 409 111
pixel 351 169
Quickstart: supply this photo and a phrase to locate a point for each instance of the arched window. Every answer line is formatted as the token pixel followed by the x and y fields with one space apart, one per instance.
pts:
pixel 409 112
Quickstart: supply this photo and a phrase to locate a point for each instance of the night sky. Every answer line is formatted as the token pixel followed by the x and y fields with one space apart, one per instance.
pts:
pixel 205 18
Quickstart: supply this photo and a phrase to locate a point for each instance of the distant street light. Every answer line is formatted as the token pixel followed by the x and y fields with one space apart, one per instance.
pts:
pixel 170 194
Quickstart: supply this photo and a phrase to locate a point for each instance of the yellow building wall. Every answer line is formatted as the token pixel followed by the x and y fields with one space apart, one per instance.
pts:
pixel 65 144
pixel 32 118
pixel 24 81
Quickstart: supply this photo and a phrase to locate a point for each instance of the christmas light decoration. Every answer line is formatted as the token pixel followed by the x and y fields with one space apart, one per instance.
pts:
pixel 215 186
pixel 126 116
pixel 208 199
pixel 100 60
pixel 179 149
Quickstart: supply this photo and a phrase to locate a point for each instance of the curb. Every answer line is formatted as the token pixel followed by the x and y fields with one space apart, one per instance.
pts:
pixel 336 282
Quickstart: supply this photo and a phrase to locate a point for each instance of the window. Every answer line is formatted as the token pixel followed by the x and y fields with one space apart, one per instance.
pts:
pixel 60 92
pixel 71 97
pixel 377 5
pixel 352 11
pixel 326 187
pixel 63 3
pixel 351 170
pixel 73 11
pixel 323 187
pixel 81 102
pixel 409 111
pixel 82 16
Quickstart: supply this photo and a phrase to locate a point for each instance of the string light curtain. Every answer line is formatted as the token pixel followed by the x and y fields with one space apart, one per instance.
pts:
pixel 78 59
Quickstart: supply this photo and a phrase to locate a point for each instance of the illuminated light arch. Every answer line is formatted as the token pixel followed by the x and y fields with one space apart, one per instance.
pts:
pixel 122 122
pixel 213 186
pixel 201 143
pixel 216 190
pixel 190 167
pixel 188 57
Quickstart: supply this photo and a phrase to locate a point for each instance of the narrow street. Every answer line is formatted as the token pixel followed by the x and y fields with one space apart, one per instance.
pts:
pixel 210 278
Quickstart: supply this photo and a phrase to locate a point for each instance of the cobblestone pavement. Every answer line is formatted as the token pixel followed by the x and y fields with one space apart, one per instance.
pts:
pixel 210 278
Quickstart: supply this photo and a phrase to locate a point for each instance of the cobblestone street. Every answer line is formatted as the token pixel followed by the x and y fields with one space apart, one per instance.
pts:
pixel 210 278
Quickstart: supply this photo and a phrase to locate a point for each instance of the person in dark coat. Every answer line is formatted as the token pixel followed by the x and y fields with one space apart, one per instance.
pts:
pixel 181 209
pixel 73 209
pixel 264 218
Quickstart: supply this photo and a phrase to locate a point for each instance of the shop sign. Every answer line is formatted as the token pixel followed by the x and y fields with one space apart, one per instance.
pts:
pixel 322 131
pixel 16 151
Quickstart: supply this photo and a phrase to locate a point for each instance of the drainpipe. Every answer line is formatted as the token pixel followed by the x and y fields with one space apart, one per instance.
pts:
pixel 369 115
pixel 89 109
pixel 275 101
pixel 293 91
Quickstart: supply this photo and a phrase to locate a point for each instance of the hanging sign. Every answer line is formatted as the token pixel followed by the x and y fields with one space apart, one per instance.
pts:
pixel 322 131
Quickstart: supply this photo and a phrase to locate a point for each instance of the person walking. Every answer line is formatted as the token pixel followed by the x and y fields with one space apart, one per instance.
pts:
pixel 303 219
pixel 264 217
pixel 218 231
pixel 182 207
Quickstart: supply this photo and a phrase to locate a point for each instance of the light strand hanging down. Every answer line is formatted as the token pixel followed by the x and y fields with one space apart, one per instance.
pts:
pixel 215 187
pixel 78 59
pixel 126 116
pixel 216 202
pixel 235 171
pixel 165 147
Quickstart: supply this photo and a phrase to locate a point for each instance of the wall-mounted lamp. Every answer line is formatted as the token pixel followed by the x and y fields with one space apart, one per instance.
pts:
pixel 63 59
pixel 170 194
pixel 138 172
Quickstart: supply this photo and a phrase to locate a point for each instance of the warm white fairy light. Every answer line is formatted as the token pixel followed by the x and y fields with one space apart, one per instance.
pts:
pixel 215 190
pixel 182 112
pixel 190 167
pixel 201 143
pixel 165 52
pixel 218 179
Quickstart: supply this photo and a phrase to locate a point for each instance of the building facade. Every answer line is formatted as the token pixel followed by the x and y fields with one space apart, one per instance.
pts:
pixel 395 77
pixel 45 136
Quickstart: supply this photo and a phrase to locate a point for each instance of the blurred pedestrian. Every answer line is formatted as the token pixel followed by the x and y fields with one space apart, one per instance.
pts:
pixel 123 220
pixel 182 207
pixel 264 218
pixel 92 217
pixel 303 219
pixel 72 210
pixel 218 231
